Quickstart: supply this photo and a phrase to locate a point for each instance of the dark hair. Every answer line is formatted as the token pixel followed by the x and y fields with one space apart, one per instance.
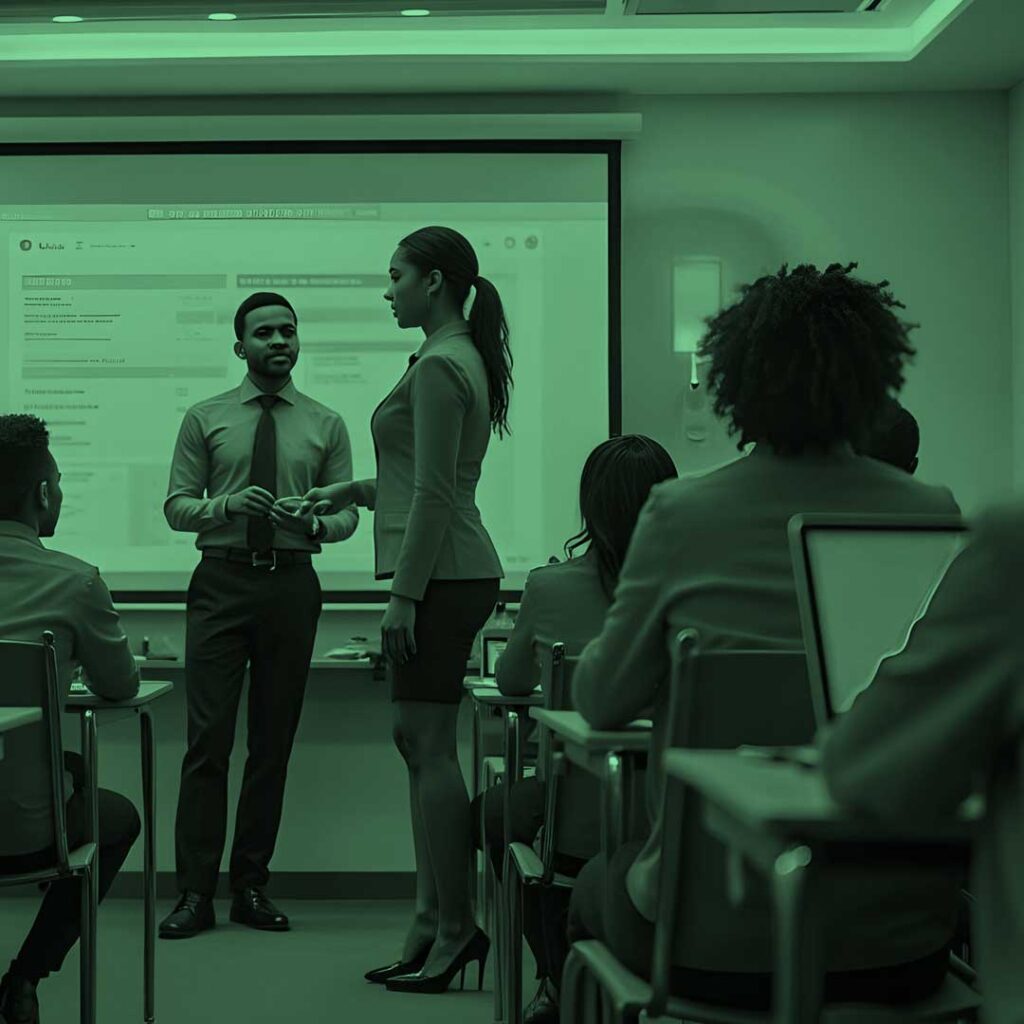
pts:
pixel 894 438
pixel 438 248
pixel 24 459
pixel 255 301
pixel 617 478
pixel 806 359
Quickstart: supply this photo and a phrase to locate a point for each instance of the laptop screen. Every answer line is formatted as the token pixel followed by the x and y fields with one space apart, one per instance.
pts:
pixel 862 591
pixel 492 648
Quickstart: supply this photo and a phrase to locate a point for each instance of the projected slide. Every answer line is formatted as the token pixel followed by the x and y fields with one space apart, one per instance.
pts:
pixel 120 318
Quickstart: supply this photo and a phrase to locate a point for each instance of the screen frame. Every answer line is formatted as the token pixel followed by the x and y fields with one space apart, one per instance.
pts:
pixel 808 602
pixel 611 148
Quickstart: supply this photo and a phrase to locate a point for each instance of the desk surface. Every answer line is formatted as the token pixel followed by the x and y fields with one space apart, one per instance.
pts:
pixel 178 664
pixel 12 718
pixel 492 695
pixel 149 690
pixel 571 726
pixel 784 798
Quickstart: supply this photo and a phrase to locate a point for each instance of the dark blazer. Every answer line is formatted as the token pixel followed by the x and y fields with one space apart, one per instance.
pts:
pixel 712 552
pixel 430 436
pixel 946 715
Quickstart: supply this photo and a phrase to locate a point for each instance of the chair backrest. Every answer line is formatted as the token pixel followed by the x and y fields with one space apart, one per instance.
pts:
pixel 720 699
pixel 571 797
pixel 28 678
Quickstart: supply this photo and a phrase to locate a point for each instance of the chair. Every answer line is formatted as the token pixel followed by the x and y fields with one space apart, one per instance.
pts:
pixel 28 678
pixel 529 870
pixel 712 706
pixel 504 771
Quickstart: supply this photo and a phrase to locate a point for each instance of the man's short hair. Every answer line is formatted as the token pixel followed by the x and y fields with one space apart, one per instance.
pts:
pixel 25 459
pixel 255 301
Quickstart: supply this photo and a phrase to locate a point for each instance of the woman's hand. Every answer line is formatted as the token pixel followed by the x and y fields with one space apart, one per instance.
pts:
pixel 324 500
pixel 396 629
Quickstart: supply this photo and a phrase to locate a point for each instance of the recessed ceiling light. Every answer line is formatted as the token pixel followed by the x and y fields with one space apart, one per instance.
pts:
pixel 222 17
pixel 414 12
pixel 67 18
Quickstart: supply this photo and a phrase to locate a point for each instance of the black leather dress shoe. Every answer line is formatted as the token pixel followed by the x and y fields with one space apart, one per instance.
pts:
pixel 544 1007
pixel 251 907
pixel 18 1002
pixel 192 915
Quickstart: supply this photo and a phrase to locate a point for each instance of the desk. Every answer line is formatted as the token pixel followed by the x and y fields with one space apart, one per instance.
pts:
pixel 486 695
pixel 89 706
pixel 780 818
pixel 600 752
pixel 13 718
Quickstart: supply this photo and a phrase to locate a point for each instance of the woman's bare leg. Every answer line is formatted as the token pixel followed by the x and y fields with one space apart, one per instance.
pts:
pixel 429 734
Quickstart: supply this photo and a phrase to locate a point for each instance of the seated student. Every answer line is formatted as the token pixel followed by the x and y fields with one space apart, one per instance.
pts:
pixel 801 366
pixel 46 589
pixel 893 438
pixel 567 601
pixel 945 717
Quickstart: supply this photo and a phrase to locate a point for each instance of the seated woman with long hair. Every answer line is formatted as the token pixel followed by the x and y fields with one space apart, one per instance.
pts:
pixel 567 601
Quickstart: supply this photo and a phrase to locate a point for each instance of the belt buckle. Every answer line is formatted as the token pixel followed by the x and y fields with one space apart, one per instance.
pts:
pixel 272 563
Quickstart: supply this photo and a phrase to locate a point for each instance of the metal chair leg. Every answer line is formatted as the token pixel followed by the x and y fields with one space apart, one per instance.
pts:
pixel 149 872
pixel 572 978
pixel 87 943
pixel 514 1000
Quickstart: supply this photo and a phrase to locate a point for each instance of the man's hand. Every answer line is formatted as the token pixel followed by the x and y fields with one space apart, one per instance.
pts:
pixel 300 523
pixel 252 501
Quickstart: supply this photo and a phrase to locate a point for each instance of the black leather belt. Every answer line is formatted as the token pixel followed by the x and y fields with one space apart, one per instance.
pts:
pixel 269 559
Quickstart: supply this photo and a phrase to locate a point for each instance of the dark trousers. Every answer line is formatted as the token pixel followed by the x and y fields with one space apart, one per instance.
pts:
pixel 238 613
pixel 545 910
pixel 630 937
pixel 58 925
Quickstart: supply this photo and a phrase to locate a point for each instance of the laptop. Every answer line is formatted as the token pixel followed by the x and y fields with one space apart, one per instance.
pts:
pixel 862 581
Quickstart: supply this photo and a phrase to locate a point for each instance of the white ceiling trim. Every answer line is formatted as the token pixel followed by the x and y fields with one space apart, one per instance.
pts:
pixel 838 38
pixel 349 127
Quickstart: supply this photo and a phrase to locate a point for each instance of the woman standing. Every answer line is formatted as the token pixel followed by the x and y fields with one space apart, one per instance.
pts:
pixel 430 435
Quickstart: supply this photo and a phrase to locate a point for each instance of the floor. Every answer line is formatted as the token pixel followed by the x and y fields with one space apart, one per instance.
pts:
pixel 312 974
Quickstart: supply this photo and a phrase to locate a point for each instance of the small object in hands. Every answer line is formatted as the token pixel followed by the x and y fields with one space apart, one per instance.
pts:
pixel 292 505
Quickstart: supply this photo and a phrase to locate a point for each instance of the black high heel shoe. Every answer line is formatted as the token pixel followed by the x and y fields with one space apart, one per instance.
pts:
pixel 476 949
pixel 379 975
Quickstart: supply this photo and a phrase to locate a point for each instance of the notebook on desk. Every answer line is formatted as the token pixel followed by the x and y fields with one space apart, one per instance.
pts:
pixel 862 581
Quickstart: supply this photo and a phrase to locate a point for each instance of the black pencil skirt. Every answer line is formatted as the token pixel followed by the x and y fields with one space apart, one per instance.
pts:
pixel 448 618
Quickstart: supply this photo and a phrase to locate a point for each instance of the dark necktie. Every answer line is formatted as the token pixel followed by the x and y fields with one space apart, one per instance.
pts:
pixel 259 533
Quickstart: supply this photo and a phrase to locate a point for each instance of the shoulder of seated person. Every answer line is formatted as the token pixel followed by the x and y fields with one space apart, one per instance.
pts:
pixel 75 567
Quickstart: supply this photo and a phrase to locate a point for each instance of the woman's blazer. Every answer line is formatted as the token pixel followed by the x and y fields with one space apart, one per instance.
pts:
pixel 430 436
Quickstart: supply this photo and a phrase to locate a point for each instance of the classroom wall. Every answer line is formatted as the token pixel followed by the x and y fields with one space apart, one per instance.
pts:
pixel 1015 181
pixel 913 187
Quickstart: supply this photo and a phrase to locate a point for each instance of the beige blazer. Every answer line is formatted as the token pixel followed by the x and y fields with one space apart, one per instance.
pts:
pixel 565 602
pixel 430 437
pixel 712 552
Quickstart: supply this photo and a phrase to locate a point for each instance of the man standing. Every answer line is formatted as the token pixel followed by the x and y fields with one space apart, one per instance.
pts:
pixel 253 597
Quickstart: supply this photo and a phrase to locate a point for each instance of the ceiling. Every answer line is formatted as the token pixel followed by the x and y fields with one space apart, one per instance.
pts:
pixel 480 48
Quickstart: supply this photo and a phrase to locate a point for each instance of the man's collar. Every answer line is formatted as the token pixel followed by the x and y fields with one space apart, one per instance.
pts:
pixel 16 528
pixel 454 329
pixel 249 390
